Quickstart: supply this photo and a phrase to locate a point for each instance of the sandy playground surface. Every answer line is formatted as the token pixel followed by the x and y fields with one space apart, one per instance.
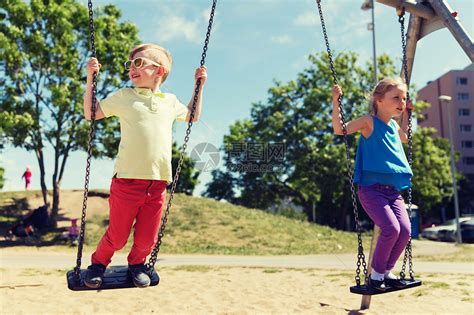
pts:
pixel 39 287
pixel 231 290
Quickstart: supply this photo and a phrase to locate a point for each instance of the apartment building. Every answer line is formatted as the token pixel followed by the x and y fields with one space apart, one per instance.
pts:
pixel 459 85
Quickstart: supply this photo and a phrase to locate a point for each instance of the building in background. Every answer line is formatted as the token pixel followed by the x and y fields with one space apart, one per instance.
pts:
pixel 459 84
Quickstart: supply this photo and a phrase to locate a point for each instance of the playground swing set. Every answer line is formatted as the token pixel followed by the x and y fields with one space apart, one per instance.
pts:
pixel 426 17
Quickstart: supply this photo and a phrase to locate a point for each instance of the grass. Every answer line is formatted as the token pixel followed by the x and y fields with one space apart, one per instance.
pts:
pixel 465 292
pixel 201 225
pixel 30 272
pixel 419 292
pixel 341 275
pixel 205 226
pixel 14 205
pixel 464 254
pixel 462 283
pixel 437 285
pixel 7 196
pixel 193 268
pixel 272 270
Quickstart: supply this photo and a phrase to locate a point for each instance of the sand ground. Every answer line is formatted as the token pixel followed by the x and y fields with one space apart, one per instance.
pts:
pixel 194 286
pixel 192 289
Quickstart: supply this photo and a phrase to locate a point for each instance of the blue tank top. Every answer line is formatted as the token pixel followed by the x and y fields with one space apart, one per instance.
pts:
pixel 380 158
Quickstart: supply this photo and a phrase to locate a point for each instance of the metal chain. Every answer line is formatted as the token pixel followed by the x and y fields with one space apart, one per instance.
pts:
pixel 77 269
pixel 360 251
pixel 164 220
pixel 408 248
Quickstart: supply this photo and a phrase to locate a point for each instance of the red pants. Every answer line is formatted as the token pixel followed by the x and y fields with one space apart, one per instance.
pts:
pixel 132 200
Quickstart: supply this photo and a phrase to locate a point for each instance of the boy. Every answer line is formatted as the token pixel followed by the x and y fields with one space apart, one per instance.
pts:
pixel 143 165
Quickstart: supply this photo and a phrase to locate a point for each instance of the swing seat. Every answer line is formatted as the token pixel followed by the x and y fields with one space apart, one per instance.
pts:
pixel 365 290
pixel 115 277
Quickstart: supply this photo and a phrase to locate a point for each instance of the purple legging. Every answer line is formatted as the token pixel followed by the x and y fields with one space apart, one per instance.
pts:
pixel 385 206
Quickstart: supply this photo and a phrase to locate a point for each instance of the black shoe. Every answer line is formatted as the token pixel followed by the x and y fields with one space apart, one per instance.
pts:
pixel 396 283
pixel 377 285
pixel 94 276
pixel 140 277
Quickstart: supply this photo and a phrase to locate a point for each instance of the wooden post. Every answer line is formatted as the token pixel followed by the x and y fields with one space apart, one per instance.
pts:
pixel 365 303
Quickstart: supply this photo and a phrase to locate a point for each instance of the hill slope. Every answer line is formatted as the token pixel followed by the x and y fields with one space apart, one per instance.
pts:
pixel 206 226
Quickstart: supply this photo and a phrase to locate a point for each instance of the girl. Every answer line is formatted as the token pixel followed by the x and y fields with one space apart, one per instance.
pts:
pixel 381 172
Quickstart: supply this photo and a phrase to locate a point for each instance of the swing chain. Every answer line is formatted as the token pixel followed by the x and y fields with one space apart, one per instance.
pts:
pixel 408 248
pixel 164 220
pixel 77 269
pixel 360 252
pixel 328 49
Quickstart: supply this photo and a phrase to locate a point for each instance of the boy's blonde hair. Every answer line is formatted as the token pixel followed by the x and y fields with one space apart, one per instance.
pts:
pixel 160 55
pixel 382 87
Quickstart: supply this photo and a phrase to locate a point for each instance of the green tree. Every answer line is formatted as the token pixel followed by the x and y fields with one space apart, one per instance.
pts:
pixel 313 172
pixel 432 181
pixel 188 176
pixel 297 114
pixel 221 186
pixel 44 50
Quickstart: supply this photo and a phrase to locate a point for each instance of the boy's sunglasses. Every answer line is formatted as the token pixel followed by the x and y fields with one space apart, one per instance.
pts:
pixel 137 63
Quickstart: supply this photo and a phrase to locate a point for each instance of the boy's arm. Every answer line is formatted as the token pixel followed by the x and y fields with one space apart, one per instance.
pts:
pixel 197 111
pixel 200 74
pixel 92 66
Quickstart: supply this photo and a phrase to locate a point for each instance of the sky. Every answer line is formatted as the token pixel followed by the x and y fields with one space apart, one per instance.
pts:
pixel 253 43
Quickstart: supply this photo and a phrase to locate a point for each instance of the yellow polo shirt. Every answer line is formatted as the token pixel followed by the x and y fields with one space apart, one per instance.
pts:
pixel 146 122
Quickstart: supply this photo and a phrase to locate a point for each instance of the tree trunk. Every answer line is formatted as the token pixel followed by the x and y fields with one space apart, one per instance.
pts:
pixel 56 184
pixel 55 209
pixel 308 209
pixel 44 189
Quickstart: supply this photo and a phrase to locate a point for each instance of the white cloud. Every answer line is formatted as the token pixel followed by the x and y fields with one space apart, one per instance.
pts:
pixel 330 8
pixel 307 19
pixel 206 13
pixel 282 39
pixel 180 22
pixel 177 27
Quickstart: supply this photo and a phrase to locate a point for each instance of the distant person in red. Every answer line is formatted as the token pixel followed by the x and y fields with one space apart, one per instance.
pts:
pixel 27 176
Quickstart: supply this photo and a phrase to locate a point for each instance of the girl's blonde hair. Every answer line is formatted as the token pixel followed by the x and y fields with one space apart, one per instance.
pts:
pixel 380 89
pixel 159 55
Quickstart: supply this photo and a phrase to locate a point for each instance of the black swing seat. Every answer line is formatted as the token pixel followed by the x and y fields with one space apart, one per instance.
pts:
pixel 115 277
pixel 365 290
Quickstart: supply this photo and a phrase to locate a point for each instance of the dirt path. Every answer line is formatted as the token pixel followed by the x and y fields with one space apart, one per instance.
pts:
pixel 41 258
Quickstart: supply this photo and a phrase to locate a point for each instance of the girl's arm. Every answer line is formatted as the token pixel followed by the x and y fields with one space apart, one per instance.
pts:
pixel 364 123
pixel 403 129
pixel 92 66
